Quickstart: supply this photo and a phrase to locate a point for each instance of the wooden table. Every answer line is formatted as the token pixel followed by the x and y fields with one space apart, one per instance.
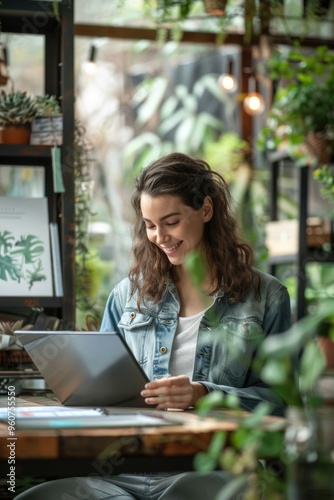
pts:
pixel 81 451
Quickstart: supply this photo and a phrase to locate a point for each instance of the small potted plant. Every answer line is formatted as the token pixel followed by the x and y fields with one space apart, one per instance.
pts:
pixel 301 119
pixel 17 111
pixel 47 126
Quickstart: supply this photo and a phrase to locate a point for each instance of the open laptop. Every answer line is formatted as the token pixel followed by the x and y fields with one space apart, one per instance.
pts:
pixel 86 368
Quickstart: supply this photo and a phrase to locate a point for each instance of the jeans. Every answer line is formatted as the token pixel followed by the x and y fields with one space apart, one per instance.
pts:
pixel 188 485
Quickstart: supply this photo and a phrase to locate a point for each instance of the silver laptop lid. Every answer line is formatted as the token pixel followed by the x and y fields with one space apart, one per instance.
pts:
pixel 86 368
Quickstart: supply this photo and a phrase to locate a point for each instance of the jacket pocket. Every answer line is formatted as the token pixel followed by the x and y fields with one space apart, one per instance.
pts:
pixel 240 340
pixel 132 319
pixel 227 352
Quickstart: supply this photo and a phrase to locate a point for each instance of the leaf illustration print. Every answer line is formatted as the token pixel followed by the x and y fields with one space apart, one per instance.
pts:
pixel 30 247
pixel 36 274
pixel 10 269
pixel 6 242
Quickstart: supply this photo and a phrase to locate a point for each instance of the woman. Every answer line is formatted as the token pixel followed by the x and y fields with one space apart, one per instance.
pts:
pixel 189 339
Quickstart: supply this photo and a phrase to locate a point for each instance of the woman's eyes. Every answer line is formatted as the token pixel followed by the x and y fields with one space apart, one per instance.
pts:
pixel 166 224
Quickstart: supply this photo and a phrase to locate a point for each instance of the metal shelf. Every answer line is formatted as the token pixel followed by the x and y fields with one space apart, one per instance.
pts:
pixel 31 302
pixel 22 154
pixel 305 254
pixel 37 18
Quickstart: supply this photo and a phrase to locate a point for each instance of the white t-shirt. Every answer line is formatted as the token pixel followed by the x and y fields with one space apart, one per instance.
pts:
pixel 184 346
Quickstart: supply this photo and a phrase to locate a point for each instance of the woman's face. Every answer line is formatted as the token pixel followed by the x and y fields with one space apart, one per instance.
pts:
pixel 174 227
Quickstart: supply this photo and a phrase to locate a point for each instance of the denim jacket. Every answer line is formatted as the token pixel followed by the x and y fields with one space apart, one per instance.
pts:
pixel 228 337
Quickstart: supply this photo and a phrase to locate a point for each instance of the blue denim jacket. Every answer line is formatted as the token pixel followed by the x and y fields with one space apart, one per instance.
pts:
pixel 227 340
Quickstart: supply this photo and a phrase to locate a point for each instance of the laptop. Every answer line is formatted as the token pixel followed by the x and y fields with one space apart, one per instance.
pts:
pixel 87 368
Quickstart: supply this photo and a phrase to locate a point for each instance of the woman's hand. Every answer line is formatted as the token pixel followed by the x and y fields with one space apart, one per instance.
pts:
pixel 173 392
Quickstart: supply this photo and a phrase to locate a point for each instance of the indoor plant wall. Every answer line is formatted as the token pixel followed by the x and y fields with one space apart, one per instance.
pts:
pixel 301 119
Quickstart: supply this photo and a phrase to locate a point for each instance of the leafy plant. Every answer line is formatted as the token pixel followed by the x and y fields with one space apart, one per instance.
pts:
pixel 291 363
pixel 16 108
pixel 47 105
pixel 302 105
pixel 295 381
pixel 85 302
pixel 325 175
pixel 256 17
pixel 256 437
pixel 181 124
pixel 238 452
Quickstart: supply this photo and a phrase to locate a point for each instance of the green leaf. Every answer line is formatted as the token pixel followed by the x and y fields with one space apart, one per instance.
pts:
pixel 243 438
pixel 290 342
pixel 183 133
pixel 190 103
pixel 168 107
pixel 152 102
pixel 212 121
pixel 194 264
pixel 210 83
pixel 312 365
pixel 203 462
pixel 171 123
pixel 217 444
pixel 271 444
pixel 181 91
pixel 138 143
pixel 232 401
pixel 256 417
pixel 214 399
pixel 233 488
pixel 276 371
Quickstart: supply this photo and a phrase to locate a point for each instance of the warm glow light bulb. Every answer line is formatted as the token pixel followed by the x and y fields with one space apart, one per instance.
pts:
pixel 89 67
pixel 228 83
pixel 254 104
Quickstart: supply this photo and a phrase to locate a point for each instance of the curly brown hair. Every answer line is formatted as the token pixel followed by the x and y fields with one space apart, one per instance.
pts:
pixel 227 254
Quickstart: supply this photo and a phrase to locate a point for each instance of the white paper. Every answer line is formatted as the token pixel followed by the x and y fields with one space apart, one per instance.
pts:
pixel 25 257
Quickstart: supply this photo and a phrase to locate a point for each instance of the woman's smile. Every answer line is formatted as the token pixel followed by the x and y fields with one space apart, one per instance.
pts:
pixel 171 249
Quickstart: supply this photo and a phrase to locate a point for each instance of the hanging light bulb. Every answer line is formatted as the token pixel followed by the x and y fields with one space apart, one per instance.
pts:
pixel 254 104
pixel 90 65
pixel 228 83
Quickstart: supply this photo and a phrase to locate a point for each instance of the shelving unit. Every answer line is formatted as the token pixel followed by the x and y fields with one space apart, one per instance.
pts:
pixel 38 18
pixel 305 254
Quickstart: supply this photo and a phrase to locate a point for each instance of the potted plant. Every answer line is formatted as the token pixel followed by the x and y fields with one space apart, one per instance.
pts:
pixel 301 119
pixel 17 111
pixel 47 126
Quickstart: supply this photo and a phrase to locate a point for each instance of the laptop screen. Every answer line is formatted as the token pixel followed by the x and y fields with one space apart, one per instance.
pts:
pixel 86 368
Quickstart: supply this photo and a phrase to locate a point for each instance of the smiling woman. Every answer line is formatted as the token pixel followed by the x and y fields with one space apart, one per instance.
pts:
pixel 190 339
pixel 174 227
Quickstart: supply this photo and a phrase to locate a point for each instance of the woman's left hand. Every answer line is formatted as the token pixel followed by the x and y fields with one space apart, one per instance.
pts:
pixel 173 392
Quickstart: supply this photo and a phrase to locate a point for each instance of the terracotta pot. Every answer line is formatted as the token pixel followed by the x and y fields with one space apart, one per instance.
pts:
pixel 15 135
pixel 215 7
